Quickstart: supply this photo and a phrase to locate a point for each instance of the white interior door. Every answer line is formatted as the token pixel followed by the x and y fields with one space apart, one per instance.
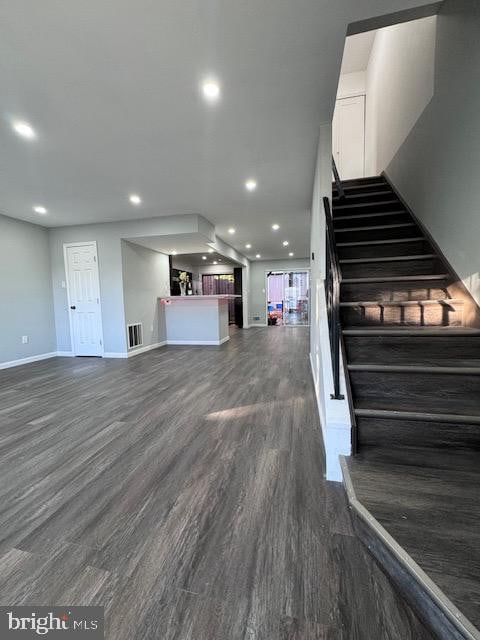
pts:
pixel 348 131
pixel 83 289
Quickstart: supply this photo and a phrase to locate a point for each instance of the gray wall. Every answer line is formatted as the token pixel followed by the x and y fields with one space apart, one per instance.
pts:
pixel 25 291
pixel 257 302
pixel 437 167
pixel 108 237
pixel 145 278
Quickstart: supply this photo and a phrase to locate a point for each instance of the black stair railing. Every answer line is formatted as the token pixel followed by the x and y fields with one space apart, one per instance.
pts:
pixel 338 182
pixel 332 293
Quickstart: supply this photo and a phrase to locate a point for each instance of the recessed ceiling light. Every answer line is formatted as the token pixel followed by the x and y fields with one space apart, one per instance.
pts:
pixel 24 129
pixel 174 253
pixel 258 256
pixel 215 262
pixel 210 251
pixel 250 184
pixel 135 199
pixel 211 90
pixel 40 209
pixel 290 254
pixel 275 227
pixel 285 243
pixel 248 246
pixel 204 257
pixel 219 259
pixel 231 230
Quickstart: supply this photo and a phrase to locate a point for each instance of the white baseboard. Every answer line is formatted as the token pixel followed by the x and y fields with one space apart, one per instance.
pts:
pixel 65 354
pixel 199 342
pixel 115 354
pixel 259 324
pixel 148 347
pixel 20 361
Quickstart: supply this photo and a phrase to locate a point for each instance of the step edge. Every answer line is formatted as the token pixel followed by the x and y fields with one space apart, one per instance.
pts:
pixel 411 331
pixel 375 228
pixel 392 414
pixel 416 278
pixel 456 619
pixel 422 256
pixel 365 243
pixel 366 204
pixel 406 368
pixel 376 214
pixel 402 303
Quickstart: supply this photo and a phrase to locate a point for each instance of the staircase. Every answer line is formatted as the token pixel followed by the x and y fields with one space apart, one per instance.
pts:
pixel 411 347
pixel 413 363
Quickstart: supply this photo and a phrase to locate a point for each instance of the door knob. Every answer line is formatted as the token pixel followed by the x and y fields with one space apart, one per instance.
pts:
pixel 73 307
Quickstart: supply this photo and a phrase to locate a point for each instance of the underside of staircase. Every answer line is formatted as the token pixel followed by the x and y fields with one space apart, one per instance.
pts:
pixel 411 339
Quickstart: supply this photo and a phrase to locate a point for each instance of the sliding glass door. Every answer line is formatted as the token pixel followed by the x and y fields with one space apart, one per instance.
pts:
pixel 287 298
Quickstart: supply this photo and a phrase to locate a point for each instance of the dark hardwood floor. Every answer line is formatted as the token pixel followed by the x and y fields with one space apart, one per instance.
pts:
pixel 183 490
pixel 428 500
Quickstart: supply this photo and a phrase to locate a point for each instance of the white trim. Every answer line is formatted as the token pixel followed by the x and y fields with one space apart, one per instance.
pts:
pixel 200 342
pixel 148 347
pixel 67 245
pixel 258 324
pixel 20 361
pixel 65 354
pixel 115 354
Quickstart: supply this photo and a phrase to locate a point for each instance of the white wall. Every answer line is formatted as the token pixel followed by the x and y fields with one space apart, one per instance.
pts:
pixel 258 269
pixel 399 85
pixel 352 84
pixel 26 306
pixel 437 167
pixel 146 277
pixel 334 414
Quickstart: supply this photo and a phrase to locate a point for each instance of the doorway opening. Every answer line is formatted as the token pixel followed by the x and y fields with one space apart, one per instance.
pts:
pixel 287 298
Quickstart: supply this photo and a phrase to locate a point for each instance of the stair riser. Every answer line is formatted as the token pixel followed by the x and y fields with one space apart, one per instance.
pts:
pixel 433 392
pixel 361 221
pixel 385 250
pixel 393 291
pixel 444 350
pixel 351 209
pixel 427 316
pixel 387 233
pixel 385 434
pixel 399 268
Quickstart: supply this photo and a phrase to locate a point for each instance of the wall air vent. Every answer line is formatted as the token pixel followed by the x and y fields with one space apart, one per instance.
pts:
pixel 135 335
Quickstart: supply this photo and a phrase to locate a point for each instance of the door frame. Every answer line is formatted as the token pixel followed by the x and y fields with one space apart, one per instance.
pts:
pixel 284 271
pixel 348 96
pixel 66 246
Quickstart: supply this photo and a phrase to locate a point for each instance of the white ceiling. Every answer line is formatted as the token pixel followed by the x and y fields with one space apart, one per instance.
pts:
pixel 357 51
pixel 112 89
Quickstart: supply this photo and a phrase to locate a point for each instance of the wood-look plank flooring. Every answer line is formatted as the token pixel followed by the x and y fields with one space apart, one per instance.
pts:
pixel 429 501
pixel 183 490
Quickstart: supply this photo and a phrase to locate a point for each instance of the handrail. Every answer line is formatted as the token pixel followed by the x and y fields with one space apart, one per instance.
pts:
pixel 332 293
pixel 338 182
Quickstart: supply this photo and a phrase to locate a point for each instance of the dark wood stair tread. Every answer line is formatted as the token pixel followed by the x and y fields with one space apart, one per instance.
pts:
pixel 406 368
pixel 401 303
pixel 360 205
pixel 417 278
pixel 376 227
pixel 423 256
pixel 364 243
pixel 384 192
pixel 421 416
pixel 409 331
pixel 376 214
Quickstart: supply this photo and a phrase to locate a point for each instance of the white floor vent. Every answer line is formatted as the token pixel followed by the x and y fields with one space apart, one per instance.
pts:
pixel 135 335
